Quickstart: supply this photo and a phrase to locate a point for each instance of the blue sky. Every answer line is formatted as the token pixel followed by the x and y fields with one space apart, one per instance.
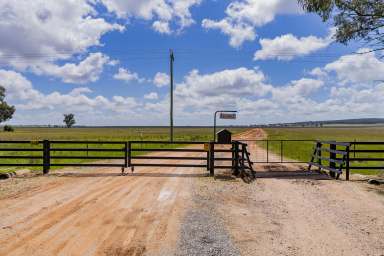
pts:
pixel 107 62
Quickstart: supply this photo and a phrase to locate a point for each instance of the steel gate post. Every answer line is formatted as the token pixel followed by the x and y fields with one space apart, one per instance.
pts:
pixel 236 169
pixel 242 155
pixel 212 159
pixel 332 156
pixel 347 165
pixel 46 156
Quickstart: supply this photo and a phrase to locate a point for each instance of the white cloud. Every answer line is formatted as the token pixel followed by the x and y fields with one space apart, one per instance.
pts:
pixel 161 27
pixel 21 92
pixel 318 72
pixel 296 89
pixel 162 12
pixel 357 68
pixel 151 96
pixel 287 47
pixel 161 79
pixel 244 16
pixel 203 93
pixel 44 31
pixel 88 70
pixel 128 76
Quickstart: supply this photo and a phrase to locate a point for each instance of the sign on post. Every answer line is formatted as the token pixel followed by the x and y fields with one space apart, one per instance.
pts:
pixel 227 115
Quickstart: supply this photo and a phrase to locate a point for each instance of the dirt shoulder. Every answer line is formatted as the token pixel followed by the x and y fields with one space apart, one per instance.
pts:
pixel 292 213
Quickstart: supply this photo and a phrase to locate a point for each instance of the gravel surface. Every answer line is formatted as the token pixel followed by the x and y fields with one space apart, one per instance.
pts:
pixel 202 233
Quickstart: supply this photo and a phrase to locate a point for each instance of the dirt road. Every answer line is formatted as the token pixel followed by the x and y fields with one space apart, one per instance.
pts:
pixel 176 211
pixel 98 213
pixel 288 212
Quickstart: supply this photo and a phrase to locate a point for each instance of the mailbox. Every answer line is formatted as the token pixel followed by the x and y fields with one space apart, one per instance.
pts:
pixel 224 137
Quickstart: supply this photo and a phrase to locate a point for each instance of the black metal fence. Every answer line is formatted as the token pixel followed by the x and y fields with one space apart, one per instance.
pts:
pixel 47 154
pixel 367 155
pixel 280 151
pixel 363 152
pixel 208 155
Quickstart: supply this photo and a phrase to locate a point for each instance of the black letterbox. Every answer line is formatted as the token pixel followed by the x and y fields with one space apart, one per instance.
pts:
pixel 224 137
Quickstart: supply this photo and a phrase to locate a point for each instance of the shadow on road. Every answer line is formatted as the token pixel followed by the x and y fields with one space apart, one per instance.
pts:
pixel 299 174
pixel 154 175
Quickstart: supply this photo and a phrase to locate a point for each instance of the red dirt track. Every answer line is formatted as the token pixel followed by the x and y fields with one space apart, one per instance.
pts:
pixel 95 211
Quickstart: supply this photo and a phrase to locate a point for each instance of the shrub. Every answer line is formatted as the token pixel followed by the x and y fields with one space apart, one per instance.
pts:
pixel 8 128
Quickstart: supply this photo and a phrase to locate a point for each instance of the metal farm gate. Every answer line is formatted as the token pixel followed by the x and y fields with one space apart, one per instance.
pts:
pixel 207 155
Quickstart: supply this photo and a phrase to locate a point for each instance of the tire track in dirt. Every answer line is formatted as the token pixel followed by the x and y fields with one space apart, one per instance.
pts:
pixel 298 215
pixel 108 215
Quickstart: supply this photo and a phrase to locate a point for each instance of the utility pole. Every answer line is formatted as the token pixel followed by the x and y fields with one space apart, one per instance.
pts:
pixel 171 60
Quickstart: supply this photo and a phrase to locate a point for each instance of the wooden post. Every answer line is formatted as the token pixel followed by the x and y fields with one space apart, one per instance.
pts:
pixel 46 156
pixel 332 156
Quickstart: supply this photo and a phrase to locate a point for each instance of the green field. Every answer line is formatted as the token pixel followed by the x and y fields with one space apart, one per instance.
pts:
pixel 302 150
pixel 93 134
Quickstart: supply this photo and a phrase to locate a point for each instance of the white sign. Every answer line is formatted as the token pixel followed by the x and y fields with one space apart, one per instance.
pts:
pixel 227 116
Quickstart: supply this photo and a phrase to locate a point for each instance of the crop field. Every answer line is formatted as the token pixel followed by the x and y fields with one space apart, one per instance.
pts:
pixel 93 134
pixel 298 150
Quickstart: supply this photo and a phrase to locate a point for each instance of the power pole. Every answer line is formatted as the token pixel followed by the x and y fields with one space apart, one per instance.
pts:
pixel 171 60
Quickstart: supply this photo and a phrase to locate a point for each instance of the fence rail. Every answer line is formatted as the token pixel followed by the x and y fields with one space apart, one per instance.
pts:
pixel 361 155
pixel 52 153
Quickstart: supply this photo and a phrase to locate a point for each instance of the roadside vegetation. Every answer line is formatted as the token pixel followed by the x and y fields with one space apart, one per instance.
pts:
pixel 302 150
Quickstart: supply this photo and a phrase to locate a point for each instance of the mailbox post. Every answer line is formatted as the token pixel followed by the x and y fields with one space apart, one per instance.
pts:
pixel 224 114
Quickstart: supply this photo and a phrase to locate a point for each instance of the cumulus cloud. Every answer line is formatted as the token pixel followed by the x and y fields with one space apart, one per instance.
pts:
pixel 161 27
pixel 88 70
pixel 151 96
pixel 205 92
pixel 45 31
pixel 163 13
pixel 128 76
pixel 161 79
pixel 244 16
pixel 357 68
pixel 288 47
pixel 22 93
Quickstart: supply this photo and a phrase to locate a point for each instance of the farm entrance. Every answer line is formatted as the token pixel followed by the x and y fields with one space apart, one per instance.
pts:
pixel 207 155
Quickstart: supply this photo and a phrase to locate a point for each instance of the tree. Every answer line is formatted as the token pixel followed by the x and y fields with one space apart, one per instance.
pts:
pixel 353 19
pixel 6 111
pixel 69 120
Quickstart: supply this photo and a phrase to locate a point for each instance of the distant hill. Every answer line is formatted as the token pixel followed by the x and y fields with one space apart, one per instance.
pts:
pixel 357 121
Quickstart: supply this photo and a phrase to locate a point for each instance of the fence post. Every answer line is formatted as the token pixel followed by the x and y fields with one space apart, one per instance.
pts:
pixel 212 159
pixel 236 171
pixel 347 165
pixel 242 155
pixel 319 155
pixel 267 151
pixel 281 151
pixel 46 156
pixel 332 156
pixel 208 156
pixel 125 154
pixel 129 153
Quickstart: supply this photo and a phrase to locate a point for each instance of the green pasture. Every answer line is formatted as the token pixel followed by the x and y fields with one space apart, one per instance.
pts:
pixel 92 134
pixel 302 150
